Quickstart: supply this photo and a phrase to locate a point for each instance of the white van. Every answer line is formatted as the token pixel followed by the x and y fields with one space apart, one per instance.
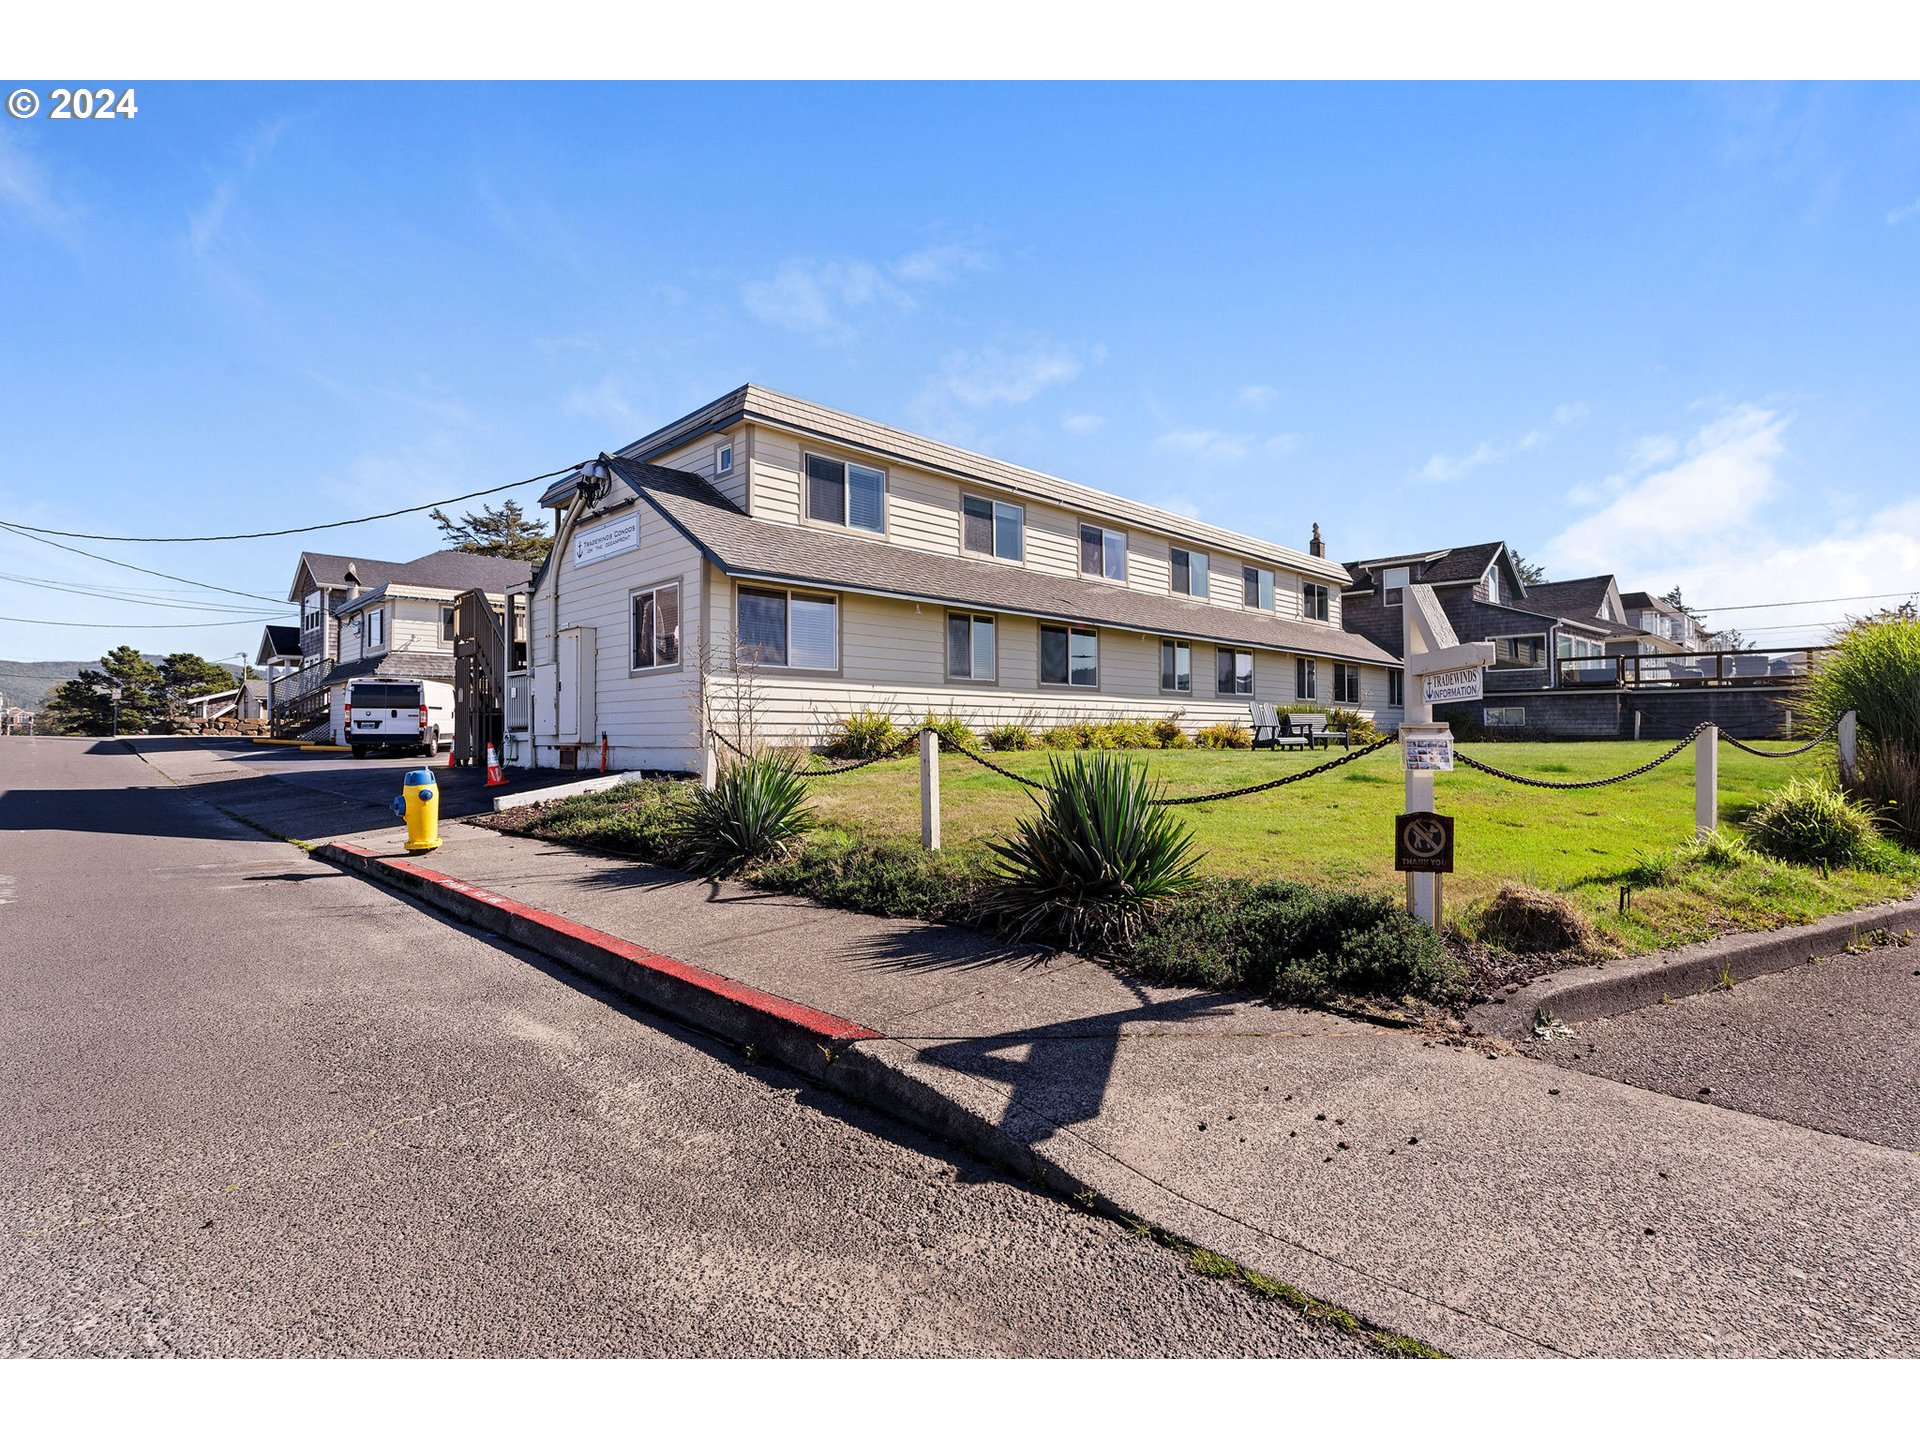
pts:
pixel 398 715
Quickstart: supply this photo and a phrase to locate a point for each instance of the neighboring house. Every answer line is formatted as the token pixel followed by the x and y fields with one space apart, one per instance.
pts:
pixel 1666 630
pixel 768 565
pixel 1480 589
pixel 362 617
pixel 1594 601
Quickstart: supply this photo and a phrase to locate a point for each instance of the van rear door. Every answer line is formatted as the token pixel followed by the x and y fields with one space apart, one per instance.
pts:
pixel 385 712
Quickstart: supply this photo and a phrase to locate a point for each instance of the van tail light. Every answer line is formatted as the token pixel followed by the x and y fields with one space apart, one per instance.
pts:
pixel 349 712
pixel 423 719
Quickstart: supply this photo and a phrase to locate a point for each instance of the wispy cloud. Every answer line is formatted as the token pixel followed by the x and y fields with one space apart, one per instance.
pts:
pixel 1083 423
pixel 1223 447
pixel 1903 213
pixel 606 401
pixel 26 192
pixel 1442 468
pixel 205 224
pixel 1000 376
pixel 1256 397
pixel 822 297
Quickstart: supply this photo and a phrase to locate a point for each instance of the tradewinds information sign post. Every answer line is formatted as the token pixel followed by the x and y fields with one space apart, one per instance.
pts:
pixel 1446 670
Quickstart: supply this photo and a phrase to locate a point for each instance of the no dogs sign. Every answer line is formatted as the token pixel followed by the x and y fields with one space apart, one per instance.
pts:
pixel 1423 842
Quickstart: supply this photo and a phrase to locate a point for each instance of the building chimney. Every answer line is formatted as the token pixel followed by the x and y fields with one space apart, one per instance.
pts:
pixel 1317 547
pixel 353 578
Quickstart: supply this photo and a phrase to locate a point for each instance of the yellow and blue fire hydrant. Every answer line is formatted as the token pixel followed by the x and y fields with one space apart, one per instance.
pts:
pixel 419 805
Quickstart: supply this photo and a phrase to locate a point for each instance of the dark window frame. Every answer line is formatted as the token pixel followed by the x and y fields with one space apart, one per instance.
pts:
pixel 654 592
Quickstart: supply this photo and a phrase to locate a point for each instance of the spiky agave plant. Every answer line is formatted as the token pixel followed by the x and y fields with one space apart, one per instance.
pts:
pixel 755 808
pixel 1099 854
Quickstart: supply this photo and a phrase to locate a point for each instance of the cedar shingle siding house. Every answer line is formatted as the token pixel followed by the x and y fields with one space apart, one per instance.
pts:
pixel 769 564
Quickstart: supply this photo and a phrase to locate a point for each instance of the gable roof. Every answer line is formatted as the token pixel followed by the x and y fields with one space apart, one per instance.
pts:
pixel 755 403
pixel 1457 565
pixel 277 640
pixel 441 570
pixel 750 549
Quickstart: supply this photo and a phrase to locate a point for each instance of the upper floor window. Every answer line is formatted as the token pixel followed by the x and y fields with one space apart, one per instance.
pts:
pixel 446 622
pixel 1103 552
pixel 723 458
pixel 1176 666
pixel 1069 655
pixel 376 628
pixel 1493 585
pixel 1314 601
pixel 842 493
pixel 788 629
pixel 992 527
pixel 970 648
pixel 1234 672
pixel 1189 573
pixel 516 632
pixel 1346 684
pixel 312 607
pixel 1256 588
pixel 655 627
pixel 1392 582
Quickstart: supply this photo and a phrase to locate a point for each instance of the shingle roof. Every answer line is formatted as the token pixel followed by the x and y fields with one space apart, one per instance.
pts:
pixel 1456 565
pixel 277 640
pixel 442 570
pixel 756 403
pixel 762 550
pixel 396 664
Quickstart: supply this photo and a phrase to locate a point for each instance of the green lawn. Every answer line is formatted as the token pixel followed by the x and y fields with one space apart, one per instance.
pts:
pixel 1338 827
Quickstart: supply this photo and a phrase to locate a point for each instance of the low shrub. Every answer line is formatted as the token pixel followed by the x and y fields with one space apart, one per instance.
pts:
pixel 863 735
pixel 1012 737
pixel 1294 942
pixel 1089 866
pixel 1534 922
pixel 876 876
pixel 1811 823
pixel 1230 736
pixel 640 819
pixel 756 808
pixel 1720 849
pixel 1167 734
pixel 951 729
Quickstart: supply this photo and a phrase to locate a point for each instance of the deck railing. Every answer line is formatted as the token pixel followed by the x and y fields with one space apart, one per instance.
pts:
pixel 1705 667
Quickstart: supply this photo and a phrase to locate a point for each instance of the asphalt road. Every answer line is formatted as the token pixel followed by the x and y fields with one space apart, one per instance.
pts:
pixel 1833 1045
pixel 258 1107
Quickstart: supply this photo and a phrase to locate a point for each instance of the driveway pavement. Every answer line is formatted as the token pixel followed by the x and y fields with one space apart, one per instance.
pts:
pixel 1833 1045
pixel 1474 1198
pixel 256 1106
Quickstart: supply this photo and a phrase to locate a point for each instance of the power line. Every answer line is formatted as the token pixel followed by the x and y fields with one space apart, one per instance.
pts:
pixel 293 529
pixel 1830 600
pixel 116 625
pixel 8 525
pixel 104 592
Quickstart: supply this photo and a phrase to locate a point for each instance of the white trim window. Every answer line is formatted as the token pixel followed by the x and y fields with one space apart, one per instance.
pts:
pixel 839 492
pixel 786 629
pixel 1346 684
pixel 1306 679
pixel 1396 689
pixel 1176 667
pixel 1103 552
pixel 1503 716
pixel 376 630
pixel 1315 601
pixel 1189 573
pixel 972 651
pixel 1233 671
pixel 993 527
pixel 1392 582
pixel 1070 655
pixel 1256 587
pixel 1519 652
pixel 446 623
pixel 312 607
pixel 723 457
pixel 653 617
pixel 1493 583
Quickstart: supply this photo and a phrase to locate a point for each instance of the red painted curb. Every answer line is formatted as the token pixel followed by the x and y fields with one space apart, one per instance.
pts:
pixel 818 1023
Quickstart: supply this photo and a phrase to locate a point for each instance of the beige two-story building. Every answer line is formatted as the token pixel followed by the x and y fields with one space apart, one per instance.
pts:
pixel 768 565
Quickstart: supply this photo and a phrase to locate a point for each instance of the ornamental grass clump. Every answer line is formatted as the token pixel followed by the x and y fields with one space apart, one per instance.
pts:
pixel 756 808
pixel 1873 670
pixel 1092 864
pixel 1811 823
pixel 952 730
pixel 863 735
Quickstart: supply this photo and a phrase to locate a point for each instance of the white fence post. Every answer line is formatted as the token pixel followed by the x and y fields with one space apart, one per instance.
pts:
pixel 1849 750
pixel 709 766
pixel 1706 781
pixel 929 790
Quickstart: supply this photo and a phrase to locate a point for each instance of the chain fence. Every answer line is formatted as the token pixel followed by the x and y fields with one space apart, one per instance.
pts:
pixel 814 772
pixel 1539 784
pixel 1820 739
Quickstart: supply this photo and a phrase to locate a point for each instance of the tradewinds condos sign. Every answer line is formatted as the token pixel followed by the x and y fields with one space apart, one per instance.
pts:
pixel 616 537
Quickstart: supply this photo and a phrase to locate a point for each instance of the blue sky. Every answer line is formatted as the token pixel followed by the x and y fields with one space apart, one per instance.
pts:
pixel 1667 331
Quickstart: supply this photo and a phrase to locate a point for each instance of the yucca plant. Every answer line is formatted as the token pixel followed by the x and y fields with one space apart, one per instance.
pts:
pixel 756 807
pixel 1093 862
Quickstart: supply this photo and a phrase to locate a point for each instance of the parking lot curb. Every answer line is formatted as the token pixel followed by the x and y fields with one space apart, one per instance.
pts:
pixel 1593 993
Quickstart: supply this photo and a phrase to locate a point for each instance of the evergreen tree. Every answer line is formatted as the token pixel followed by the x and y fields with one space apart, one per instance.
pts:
pixel 1530 573
pixel 507 531
pixel 85 705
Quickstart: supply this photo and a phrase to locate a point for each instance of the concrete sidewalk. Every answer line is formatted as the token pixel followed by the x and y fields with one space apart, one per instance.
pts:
pixel 1475 1199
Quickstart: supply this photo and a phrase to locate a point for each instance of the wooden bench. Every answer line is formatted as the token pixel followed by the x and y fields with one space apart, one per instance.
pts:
pixel 1312 727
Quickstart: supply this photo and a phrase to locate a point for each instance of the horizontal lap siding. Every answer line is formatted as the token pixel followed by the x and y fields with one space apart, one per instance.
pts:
pixel 650 719
pixel 698 457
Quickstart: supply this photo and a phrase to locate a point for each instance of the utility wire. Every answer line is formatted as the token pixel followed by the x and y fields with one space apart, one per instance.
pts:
pixel 98 592
pixel 292 529
pixel 116 625
pixel 8 525
pixel 1830 600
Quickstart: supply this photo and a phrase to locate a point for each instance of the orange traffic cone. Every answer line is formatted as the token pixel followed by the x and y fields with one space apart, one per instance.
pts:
pixel 495 775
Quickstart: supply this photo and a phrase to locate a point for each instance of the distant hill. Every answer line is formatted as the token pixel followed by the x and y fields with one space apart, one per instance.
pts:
pixel 26 682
